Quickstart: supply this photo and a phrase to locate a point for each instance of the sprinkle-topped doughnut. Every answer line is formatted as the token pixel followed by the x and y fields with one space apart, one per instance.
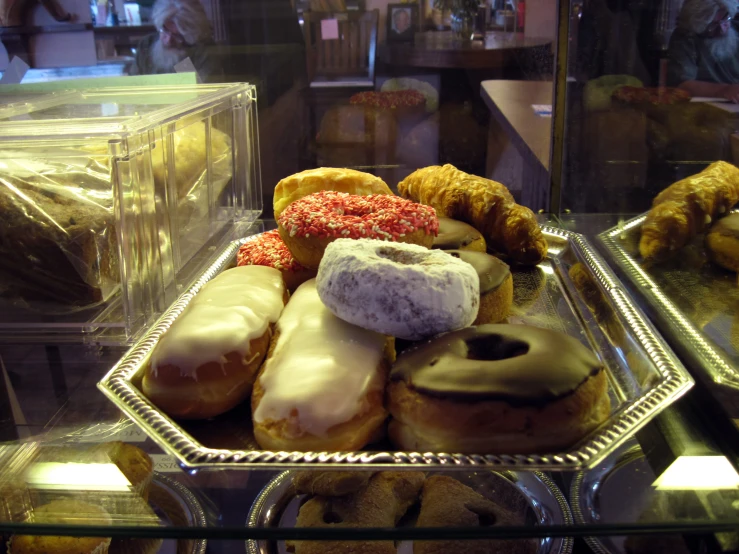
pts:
pixel 270 250
pixel 308 225
pixel 341 215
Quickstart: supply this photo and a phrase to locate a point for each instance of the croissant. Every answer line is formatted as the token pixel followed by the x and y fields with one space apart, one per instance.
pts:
pixel 509 228
pixel 687 208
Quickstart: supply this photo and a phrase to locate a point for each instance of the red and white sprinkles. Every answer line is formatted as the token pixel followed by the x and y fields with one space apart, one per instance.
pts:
pixel 331 214
pixel 270 250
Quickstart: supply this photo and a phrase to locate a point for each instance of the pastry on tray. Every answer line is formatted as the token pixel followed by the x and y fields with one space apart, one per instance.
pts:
pixel 351 181
pixel 722 242
pixel 687 208
pixel 509 228
pixel 206 362
pixel 64 512
pixel 458 235
pixel 268 249
pixel 448 503
pixel 496 389
pixel 310 224
pixel 330 483
pixel 496 285
pixel 402 290
pixel 382 503
pixel 322 385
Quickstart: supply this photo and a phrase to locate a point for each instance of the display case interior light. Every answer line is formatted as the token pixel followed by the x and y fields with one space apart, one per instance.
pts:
pixel 698 473
pixel 77 477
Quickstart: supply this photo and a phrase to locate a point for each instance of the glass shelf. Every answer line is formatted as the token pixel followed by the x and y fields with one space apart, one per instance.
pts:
pixel 684 483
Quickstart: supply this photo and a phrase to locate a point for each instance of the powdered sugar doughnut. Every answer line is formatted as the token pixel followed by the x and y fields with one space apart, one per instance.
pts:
pixel 309 224
pixel 269 250
pixel 402 290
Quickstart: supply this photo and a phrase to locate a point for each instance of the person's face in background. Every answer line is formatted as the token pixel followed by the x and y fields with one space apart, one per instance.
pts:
pixel 171 36
pixel 402 21
pixel 720 25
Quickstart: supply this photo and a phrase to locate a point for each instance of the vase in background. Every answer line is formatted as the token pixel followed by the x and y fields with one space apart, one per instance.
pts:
pixel 463 24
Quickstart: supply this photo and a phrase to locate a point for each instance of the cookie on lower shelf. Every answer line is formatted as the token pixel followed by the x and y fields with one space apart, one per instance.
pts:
pixel 382 503
pixel 446 502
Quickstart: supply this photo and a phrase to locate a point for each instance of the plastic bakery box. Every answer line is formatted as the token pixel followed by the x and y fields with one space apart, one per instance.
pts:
pixel 113 200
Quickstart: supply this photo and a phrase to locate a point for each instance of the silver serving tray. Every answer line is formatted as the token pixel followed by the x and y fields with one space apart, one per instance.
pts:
pixel 694 303
pixel 177 506
pixel 587 504
pixel 644 375
pixel 624 491
pixel 533 495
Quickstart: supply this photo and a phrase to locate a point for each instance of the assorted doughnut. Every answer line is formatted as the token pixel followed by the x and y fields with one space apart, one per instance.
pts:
pixel 310 224
pixel 206 362
pixel 496 389
pixel 319 366
pixel 457 235
pixel 268 249
pixel 322 385
pixel 402 290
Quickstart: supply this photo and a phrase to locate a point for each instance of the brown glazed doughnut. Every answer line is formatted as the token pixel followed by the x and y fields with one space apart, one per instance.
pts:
pixel 496 285
pixel 496 389
pixel 457 235
pixel 722 242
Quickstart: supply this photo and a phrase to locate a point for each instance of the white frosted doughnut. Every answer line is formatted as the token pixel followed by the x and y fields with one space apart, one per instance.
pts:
pixel 402 290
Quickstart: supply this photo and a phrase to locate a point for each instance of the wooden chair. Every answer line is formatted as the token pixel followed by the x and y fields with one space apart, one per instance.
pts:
pixel 337 68
pixel 346 62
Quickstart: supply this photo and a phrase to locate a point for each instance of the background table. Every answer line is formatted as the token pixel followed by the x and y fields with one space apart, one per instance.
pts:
pixel 519 140
pixel 440 50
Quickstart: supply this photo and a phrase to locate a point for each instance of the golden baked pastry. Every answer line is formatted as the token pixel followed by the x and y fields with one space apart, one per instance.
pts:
pixel 206 362
pixel 134 464
pixel 65 512
pixel 496 389
pixel 382 503
pixel 457 235
pixel 687 208
pixel 722 242
pixel 496 285
pixel 330 483
pixel 335 404
pixel 509 228
pixel 448 503
pixel 307 182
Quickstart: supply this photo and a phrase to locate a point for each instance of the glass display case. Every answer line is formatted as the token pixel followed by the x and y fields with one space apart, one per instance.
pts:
pixel 566 130
pixel 111 199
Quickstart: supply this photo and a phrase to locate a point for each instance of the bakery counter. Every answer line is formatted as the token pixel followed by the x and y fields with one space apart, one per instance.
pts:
pixel 675 480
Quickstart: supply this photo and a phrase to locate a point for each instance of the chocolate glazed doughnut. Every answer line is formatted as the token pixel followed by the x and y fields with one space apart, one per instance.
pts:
pixel 496 285
pixel 457 235
pixel 496 389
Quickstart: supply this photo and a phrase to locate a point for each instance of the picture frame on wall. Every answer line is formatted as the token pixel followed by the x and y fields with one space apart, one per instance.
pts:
pixel 402 22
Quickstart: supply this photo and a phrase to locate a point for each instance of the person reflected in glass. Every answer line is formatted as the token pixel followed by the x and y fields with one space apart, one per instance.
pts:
pixel 704 50
pixel 183 31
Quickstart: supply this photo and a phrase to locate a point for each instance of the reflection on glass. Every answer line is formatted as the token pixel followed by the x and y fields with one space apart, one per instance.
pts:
pixel 698 473
pixel 75 476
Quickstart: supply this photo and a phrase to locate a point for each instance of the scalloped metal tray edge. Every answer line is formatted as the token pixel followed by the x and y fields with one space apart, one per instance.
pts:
pixel 192 456
pixel 676 326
